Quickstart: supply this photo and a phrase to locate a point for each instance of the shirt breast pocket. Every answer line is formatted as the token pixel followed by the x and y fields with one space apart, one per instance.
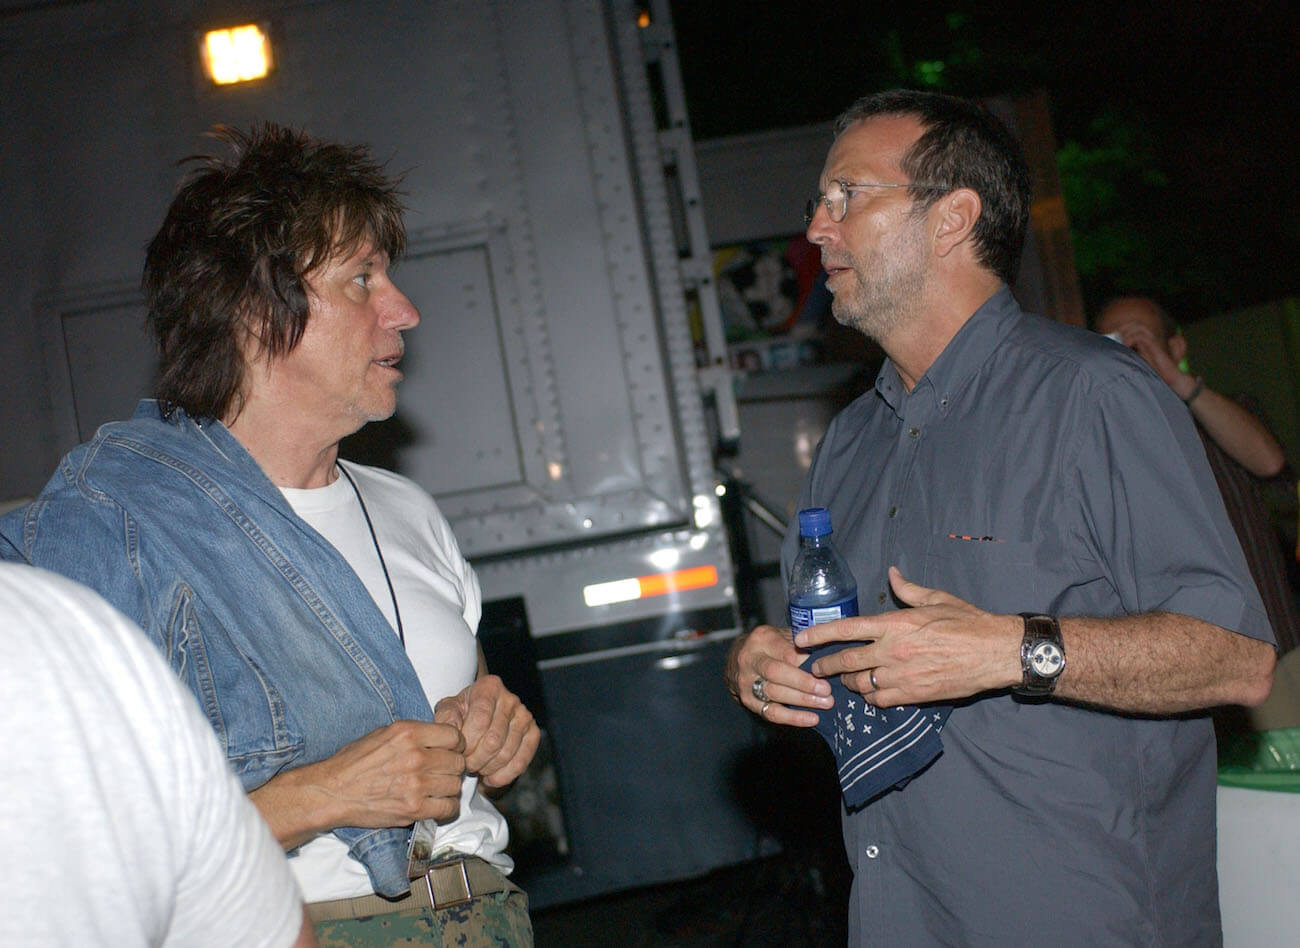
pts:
pixel 993 574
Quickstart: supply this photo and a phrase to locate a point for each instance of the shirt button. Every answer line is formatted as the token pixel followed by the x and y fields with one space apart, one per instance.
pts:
pixel 892 511
pixel 873 852
pixel 914 432
pixel 880 598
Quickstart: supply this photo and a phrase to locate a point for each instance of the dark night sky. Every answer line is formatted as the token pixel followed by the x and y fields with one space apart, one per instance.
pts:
pixel 1213 85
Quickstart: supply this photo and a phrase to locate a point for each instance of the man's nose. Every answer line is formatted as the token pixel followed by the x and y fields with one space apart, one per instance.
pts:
pixel 820 227
pixel 400 313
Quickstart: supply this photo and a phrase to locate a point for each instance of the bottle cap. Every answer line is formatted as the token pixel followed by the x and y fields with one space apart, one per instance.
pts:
pixel 814 522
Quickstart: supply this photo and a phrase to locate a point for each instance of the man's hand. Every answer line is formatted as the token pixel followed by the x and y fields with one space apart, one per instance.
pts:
pixel 1155 352
pixel 500 733
pixel 769 653
pixel 940 649
pixel 394 776
pixel 1232 426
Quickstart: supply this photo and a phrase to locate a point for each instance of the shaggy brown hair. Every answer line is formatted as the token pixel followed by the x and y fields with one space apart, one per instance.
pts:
pixel 228 267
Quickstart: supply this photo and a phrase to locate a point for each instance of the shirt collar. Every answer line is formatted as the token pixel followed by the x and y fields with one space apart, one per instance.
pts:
pixel 958 361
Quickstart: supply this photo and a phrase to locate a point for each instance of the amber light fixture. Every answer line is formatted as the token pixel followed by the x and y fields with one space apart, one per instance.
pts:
pixel 237 54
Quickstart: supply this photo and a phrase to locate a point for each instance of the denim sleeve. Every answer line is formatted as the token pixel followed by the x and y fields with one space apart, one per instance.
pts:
pixel 11 525
pixel 89 541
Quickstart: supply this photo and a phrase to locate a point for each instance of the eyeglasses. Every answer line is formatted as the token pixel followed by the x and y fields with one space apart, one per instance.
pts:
pixel 836 197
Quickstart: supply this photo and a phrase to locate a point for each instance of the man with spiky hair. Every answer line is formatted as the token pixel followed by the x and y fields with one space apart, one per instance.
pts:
pixel 319 610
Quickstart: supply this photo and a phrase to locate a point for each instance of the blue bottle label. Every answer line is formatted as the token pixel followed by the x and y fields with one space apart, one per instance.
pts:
pixel 803 616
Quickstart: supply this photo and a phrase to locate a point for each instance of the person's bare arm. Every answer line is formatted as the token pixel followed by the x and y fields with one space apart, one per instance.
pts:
pixel 1238 432
pixel 394 776
pixel 1243 436
pixel 943 649
pixel 1162 663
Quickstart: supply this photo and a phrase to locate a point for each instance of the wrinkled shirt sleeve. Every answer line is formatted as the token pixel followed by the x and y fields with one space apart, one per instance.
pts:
pixel 1151 513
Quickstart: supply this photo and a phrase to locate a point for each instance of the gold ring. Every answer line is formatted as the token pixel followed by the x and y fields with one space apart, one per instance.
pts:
pixel 762 712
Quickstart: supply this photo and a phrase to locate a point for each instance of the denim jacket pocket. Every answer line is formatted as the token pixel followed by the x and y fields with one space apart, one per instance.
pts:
pixel 259 739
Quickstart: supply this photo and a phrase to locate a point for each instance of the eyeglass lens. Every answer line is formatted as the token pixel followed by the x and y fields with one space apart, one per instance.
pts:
pixel 836 201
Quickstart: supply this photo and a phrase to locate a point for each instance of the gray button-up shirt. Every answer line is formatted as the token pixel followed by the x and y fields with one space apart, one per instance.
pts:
pixel 1037 467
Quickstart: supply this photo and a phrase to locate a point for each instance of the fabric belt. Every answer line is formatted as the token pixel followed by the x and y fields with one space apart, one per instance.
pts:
pixel 446 884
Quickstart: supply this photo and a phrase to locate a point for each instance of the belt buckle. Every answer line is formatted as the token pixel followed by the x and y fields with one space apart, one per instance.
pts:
pixel 448 883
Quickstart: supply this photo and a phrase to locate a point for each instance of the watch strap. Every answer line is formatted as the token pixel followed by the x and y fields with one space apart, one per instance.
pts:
pixel 1042 655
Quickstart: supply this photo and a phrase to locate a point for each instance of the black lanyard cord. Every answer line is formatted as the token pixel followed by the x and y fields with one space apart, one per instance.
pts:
pixel 397 613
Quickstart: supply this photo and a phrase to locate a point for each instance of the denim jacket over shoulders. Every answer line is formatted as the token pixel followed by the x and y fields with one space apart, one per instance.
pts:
pixel 174 523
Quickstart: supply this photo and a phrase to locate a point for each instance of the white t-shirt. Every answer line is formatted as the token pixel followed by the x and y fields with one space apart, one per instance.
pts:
pixel 438 597
pixel 122 823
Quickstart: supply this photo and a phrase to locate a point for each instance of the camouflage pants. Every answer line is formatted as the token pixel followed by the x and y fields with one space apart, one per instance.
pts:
pixel 498 920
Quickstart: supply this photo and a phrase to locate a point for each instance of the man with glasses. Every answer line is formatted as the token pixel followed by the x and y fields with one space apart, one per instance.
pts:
pixel 1043 563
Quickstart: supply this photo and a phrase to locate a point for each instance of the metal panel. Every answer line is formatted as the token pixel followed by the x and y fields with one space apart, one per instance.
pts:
pixel 552 581
pixel 450 385
pixel 538 406
pixel 668 748
pixel 754 185
pixel 99 359
pixel 551 399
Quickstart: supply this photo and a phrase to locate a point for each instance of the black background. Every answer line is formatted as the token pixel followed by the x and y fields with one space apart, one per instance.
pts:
pixel 1211 212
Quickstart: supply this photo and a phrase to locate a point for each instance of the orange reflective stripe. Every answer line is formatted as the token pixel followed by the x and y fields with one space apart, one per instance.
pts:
pixel 695 578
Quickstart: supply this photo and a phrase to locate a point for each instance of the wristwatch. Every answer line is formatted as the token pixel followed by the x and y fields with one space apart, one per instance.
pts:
pixel 1042 655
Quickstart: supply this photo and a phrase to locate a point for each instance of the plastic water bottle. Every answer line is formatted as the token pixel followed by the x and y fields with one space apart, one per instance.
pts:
pixel 822 587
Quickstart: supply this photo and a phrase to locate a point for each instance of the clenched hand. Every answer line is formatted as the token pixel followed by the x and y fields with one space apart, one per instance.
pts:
pixel 500 733
pixel 393 776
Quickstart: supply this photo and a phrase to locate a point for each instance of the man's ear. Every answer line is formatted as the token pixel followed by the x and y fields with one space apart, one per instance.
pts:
pixel 1178 346
pixel 958 212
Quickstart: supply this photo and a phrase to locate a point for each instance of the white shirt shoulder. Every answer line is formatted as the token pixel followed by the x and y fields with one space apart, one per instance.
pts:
pixel 112 769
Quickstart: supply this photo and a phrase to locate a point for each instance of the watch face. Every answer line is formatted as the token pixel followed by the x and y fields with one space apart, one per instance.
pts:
pixel 1047 659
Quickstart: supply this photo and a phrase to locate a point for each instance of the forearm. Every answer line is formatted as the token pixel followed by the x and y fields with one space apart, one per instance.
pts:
pixel 1238 432
pixel 1162 663
pixel 942 648
pixel 393 776
pixel 296 808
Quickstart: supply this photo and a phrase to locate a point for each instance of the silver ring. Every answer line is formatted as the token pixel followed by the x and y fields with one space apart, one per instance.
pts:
pixel 871 676
pixel 762 712
pixel 756 689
